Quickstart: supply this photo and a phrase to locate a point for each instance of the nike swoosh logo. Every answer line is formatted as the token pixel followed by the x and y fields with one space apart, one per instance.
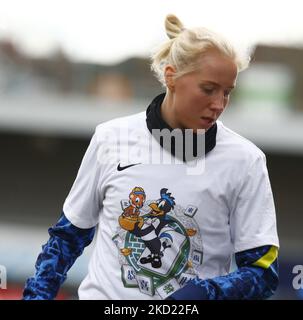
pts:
pixel 119 168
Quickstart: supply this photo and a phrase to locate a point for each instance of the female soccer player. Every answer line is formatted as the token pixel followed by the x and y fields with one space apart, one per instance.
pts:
pixel 169 230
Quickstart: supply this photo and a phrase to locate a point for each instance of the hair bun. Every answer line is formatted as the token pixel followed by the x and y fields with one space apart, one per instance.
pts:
pixel 173 26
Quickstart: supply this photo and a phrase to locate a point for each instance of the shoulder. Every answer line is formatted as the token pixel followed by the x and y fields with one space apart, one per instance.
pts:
pixel 237 147
pixel 113 126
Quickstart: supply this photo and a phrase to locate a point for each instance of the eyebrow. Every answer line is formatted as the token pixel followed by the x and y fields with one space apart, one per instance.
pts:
pixel 216 84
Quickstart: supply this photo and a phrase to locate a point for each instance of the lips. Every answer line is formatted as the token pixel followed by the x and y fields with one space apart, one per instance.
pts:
pixel 209 119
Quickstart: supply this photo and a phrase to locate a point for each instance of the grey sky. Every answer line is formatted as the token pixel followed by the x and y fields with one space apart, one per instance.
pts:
pixel 109 31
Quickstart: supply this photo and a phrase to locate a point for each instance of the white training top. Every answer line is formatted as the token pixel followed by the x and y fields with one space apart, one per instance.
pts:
pixel 191 217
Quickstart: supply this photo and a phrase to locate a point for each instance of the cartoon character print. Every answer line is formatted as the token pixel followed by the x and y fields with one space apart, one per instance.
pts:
pixel 131 214
pixel 149 231
pixel 163 259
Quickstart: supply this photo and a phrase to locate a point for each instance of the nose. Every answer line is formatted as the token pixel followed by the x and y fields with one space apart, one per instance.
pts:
pixel 218 103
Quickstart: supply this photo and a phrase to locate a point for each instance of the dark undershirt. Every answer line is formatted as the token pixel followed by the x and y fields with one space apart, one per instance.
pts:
pixel 154 120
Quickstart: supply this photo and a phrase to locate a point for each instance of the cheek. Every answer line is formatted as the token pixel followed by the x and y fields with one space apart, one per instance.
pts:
pixel 190 101
pixel 189 98
pixel 186 106
pixel 197 102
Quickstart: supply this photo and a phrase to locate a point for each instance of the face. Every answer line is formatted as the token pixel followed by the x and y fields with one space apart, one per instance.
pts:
pixel 198 98
pixel 137 200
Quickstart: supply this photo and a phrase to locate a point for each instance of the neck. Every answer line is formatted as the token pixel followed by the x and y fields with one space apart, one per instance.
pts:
pixel 155 120
pixel 168 112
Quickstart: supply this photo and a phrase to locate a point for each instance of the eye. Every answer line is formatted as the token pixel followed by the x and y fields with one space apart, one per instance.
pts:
pixel 137 200
pixel 208 90
pixel 161 204
pixel 227 93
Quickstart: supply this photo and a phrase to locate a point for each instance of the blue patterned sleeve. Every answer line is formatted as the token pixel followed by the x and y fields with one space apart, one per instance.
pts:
pixel 256 278
pixel 65 245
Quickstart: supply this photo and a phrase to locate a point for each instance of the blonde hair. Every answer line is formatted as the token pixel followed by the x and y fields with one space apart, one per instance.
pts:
pixel 186 46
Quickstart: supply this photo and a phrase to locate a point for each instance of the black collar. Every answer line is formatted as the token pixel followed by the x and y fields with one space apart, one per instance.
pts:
pixel 154 120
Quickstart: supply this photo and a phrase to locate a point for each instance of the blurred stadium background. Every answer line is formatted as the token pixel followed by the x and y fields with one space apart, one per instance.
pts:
pixel 49 107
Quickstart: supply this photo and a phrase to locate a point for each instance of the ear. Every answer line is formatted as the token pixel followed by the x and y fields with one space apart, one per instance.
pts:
pixel 169 72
